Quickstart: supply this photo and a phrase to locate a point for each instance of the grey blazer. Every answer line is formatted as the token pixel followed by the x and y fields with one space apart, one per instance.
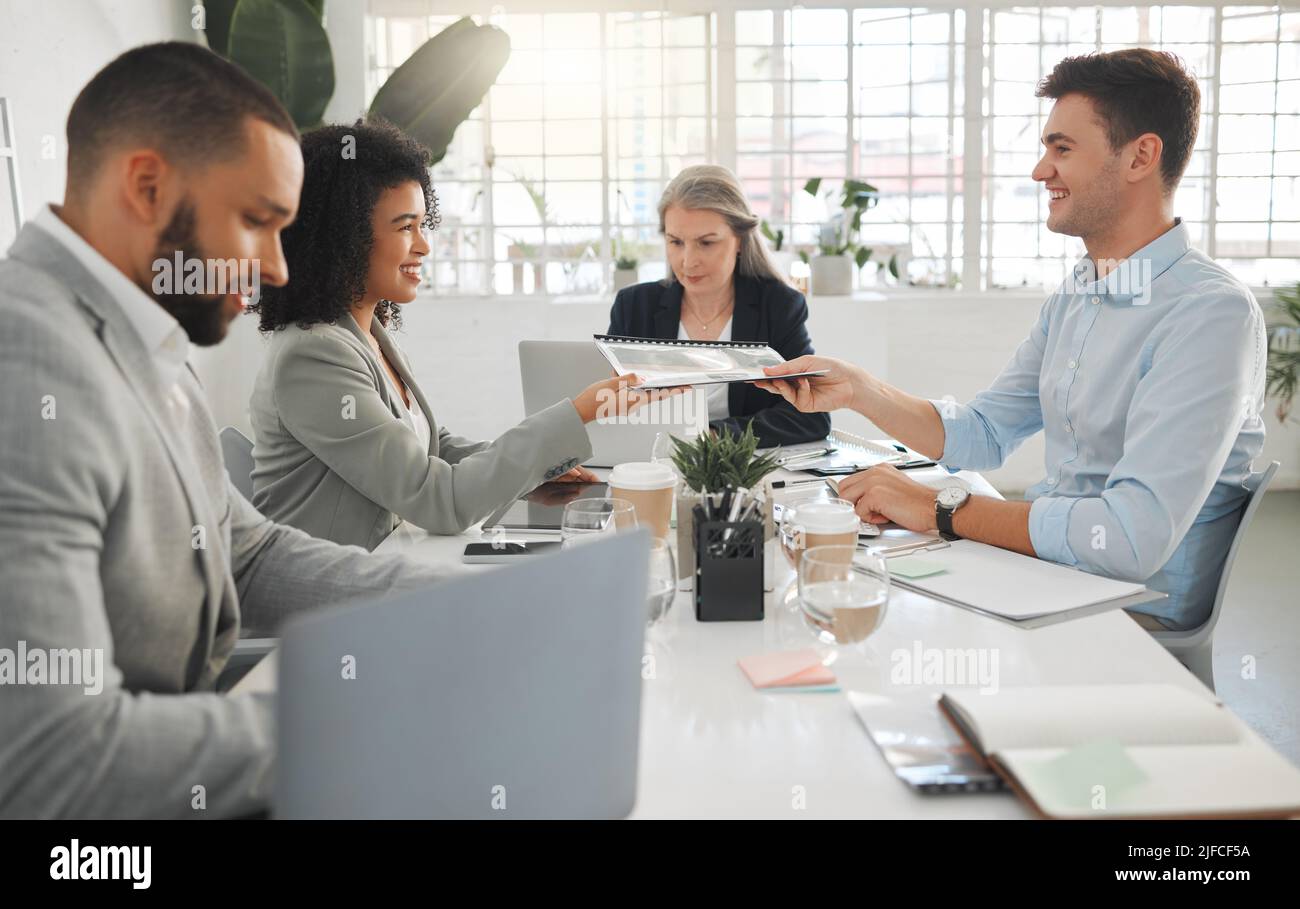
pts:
pixel 120 533
pixel 334 456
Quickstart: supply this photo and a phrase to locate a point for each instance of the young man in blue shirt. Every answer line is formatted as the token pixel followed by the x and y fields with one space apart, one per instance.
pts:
pixel 1145 369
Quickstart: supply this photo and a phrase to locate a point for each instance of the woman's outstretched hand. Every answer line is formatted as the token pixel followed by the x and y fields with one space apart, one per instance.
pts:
pixel 615 397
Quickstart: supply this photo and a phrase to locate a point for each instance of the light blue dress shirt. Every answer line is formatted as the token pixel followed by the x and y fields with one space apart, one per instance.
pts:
pixel 1148 385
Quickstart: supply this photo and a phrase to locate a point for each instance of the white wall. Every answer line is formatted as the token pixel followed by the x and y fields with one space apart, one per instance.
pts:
pixel 49 49
pixel 464 352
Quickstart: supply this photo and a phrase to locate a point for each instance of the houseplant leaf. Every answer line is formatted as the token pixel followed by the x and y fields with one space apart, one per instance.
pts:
pixel 433 92
pixel 282 44
pixel 216 24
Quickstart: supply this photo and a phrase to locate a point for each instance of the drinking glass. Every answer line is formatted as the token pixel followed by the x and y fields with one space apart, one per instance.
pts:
pixel 662 450
pixel 590 519
pixel 843 593
pixel 662 587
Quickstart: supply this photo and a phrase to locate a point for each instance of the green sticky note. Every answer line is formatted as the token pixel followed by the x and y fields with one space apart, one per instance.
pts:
pixel 912 567
pixel 1086 773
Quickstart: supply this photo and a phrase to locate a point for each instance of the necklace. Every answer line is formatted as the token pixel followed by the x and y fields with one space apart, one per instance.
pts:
pixel 704 326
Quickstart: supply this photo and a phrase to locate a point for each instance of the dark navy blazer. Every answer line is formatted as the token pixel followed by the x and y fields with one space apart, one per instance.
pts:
pixel 766 310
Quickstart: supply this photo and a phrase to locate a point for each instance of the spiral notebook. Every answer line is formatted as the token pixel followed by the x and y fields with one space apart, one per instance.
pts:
pixel 669 363
pixel 844 452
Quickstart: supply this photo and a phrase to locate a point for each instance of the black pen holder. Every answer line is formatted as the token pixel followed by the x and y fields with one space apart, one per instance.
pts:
pixel 728 571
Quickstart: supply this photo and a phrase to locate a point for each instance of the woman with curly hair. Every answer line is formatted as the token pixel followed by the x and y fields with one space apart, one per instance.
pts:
pixel 346 443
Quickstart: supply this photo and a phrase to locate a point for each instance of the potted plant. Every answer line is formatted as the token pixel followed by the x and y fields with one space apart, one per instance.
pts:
pixel 625 273
pixel 782 258
pixel 1284 351
pixel 522 253
pixel 839 247
pixel 710 464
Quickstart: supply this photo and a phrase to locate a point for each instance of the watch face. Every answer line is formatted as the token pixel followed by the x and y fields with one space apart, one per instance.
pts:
pixel 952 496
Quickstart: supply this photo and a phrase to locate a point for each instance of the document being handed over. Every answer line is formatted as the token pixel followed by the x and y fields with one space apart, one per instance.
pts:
pixel 666 364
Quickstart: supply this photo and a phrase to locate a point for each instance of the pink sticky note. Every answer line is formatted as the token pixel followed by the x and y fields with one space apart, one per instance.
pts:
pixel 786 668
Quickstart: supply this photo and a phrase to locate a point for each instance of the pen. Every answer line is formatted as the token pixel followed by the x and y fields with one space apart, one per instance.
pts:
pixel 734 511
pixel 791 484
pixel 805 456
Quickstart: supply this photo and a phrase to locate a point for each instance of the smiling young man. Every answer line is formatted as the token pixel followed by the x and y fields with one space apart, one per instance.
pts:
pixel 1144 370
pixel 120 534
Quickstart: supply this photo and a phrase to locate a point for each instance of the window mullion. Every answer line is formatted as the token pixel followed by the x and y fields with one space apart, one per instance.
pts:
pixel 1211 217
pixel 607 250
pixel 972 152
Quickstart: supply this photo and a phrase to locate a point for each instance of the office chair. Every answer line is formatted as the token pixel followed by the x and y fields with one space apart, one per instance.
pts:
pixel 1194 648
pixel 237 452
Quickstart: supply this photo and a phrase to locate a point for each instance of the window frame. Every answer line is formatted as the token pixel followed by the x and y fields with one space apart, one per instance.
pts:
pixel 973 263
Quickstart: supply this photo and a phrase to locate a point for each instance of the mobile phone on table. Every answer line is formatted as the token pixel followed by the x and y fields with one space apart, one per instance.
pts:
pixel 489 553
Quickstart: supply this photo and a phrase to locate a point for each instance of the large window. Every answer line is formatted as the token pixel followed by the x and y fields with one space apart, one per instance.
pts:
pixel 1239 195
pixel 559 170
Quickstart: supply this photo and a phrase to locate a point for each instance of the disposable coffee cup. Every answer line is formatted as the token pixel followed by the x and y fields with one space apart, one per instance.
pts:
pixel 825 524
pixel 649 487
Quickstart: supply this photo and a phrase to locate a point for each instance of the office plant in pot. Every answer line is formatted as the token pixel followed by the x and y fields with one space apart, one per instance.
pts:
pixel 839 248
pixel 1284 350
pixel 624 271
pixel 713 464
pixel 782 256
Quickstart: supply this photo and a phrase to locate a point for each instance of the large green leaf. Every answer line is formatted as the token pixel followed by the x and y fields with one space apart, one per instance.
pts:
pixel 433 92
pixel 283 45
pixel 216 24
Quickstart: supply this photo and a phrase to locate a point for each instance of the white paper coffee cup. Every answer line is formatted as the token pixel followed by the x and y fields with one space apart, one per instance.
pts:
pixel 650 488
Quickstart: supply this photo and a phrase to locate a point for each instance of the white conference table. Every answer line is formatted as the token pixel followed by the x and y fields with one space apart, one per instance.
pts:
pixel 714 747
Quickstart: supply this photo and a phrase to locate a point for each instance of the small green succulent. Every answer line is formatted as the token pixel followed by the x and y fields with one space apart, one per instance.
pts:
pixel 714 463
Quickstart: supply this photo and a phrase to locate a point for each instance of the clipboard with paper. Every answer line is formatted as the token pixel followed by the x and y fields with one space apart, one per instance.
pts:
pixel 670 363
pixel 842 453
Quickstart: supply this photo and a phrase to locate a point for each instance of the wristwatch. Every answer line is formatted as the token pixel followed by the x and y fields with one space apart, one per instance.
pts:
pixel 949 499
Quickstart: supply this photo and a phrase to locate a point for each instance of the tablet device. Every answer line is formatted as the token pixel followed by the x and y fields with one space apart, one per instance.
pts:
pixel 541 510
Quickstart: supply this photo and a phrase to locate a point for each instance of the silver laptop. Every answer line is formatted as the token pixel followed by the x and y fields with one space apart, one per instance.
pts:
pixel 554 370
pixel 513 692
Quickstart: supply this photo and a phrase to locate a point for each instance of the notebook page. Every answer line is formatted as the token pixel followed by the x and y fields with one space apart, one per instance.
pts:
pixel 1065 716
pixel 1195 780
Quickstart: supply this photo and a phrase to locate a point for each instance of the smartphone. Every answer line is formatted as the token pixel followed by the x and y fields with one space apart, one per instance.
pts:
pixel 488 553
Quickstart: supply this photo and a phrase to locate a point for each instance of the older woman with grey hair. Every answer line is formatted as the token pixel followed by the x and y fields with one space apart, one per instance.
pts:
pixel 722 286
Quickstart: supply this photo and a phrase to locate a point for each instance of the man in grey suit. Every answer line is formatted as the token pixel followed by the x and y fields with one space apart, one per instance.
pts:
pixel 120 534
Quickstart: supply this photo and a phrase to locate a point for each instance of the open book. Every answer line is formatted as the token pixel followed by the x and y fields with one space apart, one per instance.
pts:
pixel 666 364
pixel 1139 751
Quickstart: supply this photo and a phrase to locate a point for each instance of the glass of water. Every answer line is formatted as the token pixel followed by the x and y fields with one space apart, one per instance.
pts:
pixel 662 450
pixel 662 586
pixel 585 520
pixel 843 593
